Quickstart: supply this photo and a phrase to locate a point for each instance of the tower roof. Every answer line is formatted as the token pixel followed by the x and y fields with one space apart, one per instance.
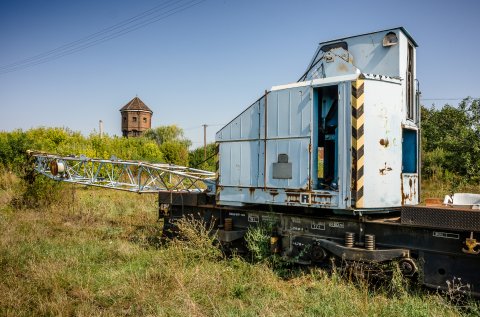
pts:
pixel 136 105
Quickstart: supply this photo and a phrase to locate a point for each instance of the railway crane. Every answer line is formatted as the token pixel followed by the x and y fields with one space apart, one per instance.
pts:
pixel 331 161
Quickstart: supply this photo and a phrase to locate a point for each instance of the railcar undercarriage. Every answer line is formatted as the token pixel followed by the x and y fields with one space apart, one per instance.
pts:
pixel 438 254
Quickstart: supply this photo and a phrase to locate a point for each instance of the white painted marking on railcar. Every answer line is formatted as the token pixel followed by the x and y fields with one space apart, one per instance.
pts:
pixel 446 235
pixel 236 214
pixel 268 218
pixel 296 220
pixel 318 225
pixel 296 228
pixel 335 224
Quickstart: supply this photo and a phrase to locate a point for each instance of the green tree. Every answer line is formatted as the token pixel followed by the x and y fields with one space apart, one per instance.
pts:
pixel 175 152
pixel 172 143
pixel 471 108
pixel 167 133
pixel 196 158
pixel 451 141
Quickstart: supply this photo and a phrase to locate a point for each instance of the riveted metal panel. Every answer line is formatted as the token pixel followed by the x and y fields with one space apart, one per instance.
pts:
pixel 246 126
pixel 289 113
pixel 368 53
pixel 239 163
pixel 410 185
pixel 298 155
pixel 382 166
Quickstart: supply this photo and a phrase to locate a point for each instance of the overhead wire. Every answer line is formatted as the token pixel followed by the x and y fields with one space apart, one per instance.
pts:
pixel 108 37
pixel 93 35
pixel 441 99
pixel 92 40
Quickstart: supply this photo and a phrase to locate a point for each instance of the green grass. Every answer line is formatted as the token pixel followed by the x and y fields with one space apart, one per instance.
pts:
pixel 439 188
pixel 98 253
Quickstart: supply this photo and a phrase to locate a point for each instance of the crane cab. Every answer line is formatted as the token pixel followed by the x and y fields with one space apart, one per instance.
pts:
pixel 344 137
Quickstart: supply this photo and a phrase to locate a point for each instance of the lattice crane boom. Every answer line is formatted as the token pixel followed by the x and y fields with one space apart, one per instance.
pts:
pixel 132 176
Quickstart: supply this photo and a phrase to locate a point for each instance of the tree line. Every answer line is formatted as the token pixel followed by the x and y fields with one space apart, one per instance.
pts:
pixel 450 144
pixel 166 144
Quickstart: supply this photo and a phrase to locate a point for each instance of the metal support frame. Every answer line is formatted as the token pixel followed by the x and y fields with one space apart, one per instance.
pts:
pixel 306 238
pixel 359 254
pixel 132 176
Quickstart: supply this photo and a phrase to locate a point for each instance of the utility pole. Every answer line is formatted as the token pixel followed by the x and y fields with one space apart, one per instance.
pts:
pixel 100 127
pixel 204 141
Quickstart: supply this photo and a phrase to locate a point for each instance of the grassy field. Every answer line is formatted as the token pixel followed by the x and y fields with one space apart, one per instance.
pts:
pixel 438 189
pixel 92 252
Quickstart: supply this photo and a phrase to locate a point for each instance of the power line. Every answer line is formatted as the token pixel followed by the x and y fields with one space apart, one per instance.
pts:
pixel 115 34
pixel 91 36
pixel 104 35
pixel 444 98
pixel 201 126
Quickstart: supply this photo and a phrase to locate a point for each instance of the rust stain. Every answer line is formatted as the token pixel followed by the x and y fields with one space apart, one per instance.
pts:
pixel 293 198
pixel 384 142
pixel 342 67
pixel 322 199
pixel 294 190
pixel 383 171
pixel 412 190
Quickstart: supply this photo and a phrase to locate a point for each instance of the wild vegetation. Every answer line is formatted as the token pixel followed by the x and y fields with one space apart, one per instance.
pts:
pixel 68 250
pixel 89 251
pixel 451 143
pixel 163 144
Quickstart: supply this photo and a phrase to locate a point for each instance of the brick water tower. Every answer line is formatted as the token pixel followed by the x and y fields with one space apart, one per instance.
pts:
pixel 136 118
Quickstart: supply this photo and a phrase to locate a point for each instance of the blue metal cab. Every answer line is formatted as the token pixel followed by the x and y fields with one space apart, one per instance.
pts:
pixel 344 137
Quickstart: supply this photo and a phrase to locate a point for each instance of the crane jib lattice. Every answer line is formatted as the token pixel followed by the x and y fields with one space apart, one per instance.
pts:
pixel 133 176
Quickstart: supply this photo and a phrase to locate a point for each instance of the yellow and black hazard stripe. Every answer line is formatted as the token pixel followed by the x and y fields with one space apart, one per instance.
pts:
pixel 358 141
pixel 217 171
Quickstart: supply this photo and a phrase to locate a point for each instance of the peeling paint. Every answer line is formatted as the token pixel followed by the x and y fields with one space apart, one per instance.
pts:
pixel 385 169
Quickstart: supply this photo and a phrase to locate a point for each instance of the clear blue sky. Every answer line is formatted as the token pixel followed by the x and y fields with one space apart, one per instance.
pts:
pixel 206 64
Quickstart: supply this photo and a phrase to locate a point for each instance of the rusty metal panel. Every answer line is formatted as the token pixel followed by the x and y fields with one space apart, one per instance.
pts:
pixel 382 144
pixel 410 191
pixel 442 218
pixel 368 53
pixel 235 196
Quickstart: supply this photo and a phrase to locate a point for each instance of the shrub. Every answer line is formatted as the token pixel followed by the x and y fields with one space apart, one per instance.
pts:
pixel 197 238
pixel 40 192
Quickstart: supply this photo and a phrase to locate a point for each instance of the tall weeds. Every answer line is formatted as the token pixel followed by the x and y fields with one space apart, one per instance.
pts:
pixel 96 256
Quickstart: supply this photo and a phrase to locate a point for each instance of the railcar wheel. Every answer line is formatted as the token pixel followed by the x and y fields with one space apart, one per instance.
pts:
pixel 408 267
